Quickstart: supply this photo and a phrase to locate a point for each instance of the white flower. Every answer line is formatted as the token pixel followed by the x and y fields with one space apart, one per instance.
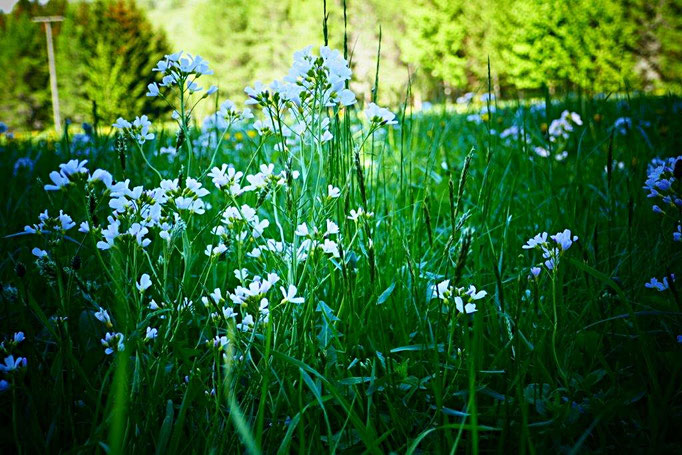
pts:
pixel 153 89
pixel 330 247
pixel 379 115
pixel 355 215
pixel 462 308
pixel 289 295
pixel 542 152
pixel 103 316
pixel 326 136
pixel 12 364
pixel 122 124
pixel 440 290
pixel 144 283
pixel 138 231
pixel 564 239
pixel 538 240
pixel 302 230
pixel 37 252
pixel 110 234
pixel 151 333
pixel 332 228
pixel 65 220
pixel 346 97
pixel 113 342
pixel 246 324
pixel 471 292
pixel 333 192
pixel 84 227
pixel 59 181
pixel 241 274
pixel 229 313
pixel 217 295
pixel 212 251
pixel 255 93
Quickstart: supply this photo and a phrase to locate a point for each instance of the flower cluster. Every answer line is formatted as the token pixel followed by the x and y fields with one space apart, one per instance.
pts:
pixel 561 127
pixel 314 238
pixel 661 183
pixel 227 179
pixel 136 210
pixel 11 364
pixel 122 220
pixel 296 107
pixel 226 116
pixel 138 130
pixel 661 285
pixel 551 251
pixel 250 301
pixel 464 299
pixel 182 71
pixel 113 342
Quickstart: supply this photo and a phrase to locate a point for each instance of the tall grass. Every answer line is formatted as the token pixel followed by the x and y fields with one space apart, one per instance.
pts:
pixel 582 358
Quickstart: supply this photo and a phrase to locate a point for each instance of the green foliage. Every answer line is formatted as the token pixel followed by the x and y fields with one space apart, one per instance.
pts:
pixel 435 40
pixel 583 44
pixel 24 77
pixel 106 52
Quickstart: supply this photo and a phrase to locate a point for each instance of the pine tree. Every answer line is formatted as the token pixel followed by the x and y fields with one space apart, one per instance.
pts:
pixel 106 57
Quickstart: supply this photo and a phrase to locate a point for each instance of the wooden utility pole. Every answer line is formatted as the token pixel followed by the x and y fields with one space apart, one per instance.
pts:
pixel 47 20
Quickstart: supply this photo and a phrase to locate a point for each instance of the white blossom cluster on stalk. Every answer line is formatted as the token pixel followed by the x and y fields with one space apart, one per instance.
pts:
pixel 113 342
pixel 563 126
pixel 60 223
pixel 551 250
pixel 296 109
pixel 11 363
pixel 662 184
pixel 181 71
pixel 463 298
pixel 139 129
pixel 248 304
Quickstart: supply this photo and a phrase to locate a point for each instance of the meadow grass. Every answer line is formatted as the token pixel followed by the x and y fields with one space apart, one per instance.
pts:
pixel 581 357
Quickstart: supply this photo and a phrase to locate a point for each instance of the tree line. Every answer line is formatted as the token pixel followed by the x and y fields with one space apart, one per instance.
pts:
pixel 106 48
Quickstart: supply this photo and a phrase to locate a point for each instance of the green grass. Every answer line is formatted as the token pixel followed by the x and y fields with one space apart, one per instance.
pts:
pixel 585 359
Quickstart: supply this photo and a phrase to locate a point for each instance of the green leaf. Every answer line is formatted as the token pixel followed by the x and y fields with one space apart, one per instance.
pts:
pixel 386 294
